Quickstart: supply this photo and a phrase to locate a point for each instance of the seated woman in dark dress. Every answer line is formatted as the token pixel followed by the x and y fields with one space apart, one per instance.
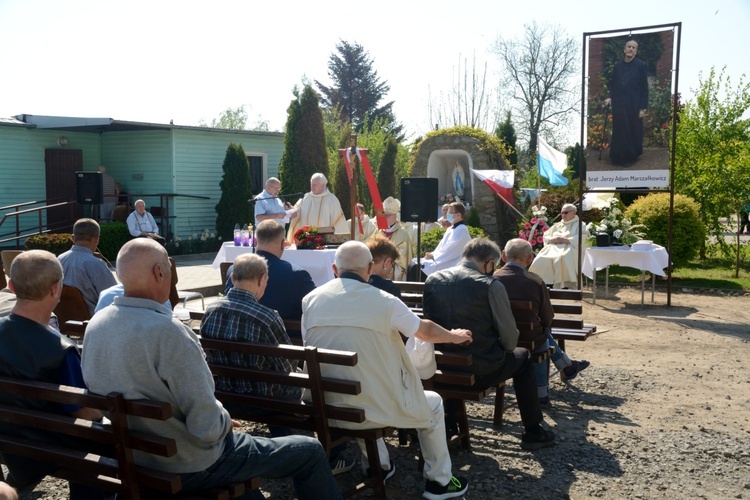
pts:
pixel 384 254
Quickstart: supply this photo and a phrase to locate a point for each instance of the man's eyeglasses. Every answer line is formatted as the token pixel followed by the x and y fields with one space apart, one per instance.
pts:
pixel 564 212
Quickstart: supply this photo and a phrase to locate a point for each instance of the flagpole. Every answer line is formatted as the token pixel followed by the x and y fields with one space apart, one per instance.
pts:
pixel 511 206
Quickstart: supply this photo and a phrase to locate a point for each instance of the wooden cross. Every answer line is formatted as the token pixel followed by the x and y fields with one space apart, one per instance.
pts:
pixel 353 183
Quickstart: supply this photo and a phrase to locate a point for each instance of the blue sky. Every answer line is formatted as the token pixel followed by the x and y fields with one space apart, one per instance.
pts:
pixel 162 60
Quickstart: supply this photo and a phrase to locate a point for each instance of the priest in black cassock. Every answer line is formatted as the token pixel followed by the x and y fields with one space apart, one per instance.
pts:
pixel 628 94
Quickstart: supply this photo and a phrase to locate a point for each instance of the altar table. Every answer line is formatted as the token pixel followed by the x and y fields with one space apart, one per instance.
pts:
pixel 316 262
pixel 653 261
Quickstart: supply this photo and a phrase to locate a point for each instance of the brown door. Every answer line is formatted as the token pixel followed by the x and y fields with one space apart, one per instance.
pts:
pixel 60 168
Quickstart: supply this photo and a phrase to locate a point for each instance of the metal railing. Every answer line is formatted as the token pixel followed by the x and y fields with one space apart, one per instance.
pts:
pixel 41 226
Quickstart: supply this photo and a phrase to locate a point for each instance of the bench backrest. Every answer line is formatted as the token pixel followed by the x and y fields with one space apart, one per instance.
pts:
pixel 71 307
pixel 312 415
pixel 97 454
pixel 563 302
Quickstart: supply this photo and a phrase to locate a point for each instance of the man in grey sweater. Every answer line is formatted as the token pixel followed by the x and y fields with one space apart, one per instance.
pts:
pixel 137 348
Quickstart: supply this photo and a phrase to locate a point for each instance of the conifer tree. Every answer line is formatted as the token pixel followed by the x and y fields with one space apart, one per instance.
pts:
pixel 236 188
pixel 356 88
pixel 387 169
pixel 304 143
pixel 506 132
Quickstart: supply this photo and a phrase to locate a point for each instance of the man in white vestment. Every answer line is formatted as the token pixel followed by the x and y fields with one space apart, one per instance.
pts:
pixel 399 236
pixel 557 262
pixel 448 252
pixel 392 394
pixel 318 208
pixel 364 226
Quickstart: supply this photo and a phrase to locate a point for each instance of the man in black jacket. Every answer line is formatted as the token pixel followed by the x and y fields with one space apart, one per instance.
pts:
pixel 31 350
pixel 467 296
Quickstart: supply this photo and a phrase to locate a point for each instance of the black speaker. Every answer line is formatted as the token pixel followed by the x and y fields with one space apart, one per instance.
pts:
pixel 419 199
pixel 89 188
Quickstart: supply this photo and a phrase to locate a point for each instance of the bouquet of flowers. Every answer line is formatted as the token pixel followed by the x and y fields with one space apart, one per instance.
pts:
pixel 533 230
pixel 448 198
pixel 614 223
pixel 306 238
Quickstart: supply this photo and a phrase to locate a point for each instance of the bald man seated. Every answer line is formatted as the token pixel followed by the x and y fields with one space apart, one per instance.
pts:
pixel 136 347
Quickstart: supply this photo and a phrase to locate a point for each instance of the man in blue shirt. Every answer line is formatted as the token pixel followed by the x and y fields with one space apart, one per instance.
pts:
pixel 82 269
pixel 267 205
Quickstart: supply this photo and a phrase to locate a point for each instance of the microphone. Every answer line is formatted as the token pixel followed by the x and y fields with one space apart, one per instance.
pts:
pixel 284 195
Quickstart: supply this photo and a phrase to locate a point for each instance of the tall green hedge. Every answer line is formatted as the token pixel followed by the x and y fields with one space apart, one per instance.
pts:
pixel 236 188
pixel 689 232
pixel 112 236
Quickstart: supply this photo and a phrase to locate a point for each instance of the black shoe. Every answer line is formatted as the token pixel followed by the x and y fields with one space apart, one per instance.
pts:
pixel 456 487
pixel 536 441
pixel 387 474
pixel 572 371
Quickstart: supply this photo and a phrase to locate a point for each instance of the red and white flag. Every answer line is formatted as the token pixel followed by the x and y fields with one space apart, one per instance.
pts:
pixel 499 181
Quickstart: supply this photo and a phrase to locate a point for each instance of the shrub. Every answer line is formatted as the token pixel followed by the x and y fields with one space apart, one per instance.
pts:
pixel 56 243
pixel 472 218
pixel 112 236
pixel 204 242
pixel 431 238
pixel 689 232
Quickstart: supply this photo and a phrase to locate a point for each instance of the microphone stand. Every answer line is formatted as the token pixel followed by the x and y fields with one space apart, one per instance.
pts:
pixel 255 200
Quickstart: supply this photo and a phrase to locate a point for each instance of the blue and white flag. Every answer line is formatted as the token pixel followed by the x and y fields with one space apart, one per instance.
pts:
pixel 552 163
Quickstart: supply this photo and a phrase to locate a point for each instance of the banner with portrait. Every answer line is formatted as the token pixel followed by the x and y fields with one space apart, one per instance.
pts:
pixel 629 108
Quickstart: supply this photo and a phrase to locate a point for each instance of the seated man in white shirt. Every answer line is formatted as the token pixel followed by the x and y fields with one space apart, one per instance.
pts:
pixel 392 392
pixel 448 252
pixel 141 224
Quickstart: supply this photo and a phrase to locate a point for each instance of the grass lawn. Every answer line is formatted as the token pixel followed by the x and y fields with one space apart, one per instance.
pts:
pixel 710 273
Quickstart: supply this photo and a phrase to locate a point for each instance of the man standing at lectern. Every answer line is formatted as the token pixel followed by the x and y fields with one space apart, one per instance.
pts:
pixel 268 205
pixel 318 208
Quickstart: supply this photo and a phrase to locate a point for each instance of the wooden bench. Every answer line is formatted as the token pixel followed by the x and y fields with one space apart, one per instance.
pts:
pixel 313 415
pixel 92 453
pixel 568 302
pixel 564 302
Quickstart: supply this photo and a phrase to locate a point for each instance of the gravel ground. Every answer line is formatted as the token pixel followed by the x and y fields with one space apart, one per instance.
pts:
pixel 661 413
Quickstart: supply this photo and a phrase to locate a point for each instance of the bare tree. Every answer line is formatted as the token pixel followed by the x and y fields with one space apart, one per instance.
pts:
pixel 469 102
pixel 539 78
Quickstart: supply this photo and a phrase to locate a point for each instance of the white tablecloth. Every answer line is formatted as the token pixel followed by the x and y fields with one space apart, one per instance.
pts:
pixel 598 258
pixel 316 262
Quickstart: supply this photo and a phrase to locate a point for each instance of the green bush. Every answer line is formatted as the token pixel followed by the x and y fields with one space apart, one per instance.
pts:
pixel 204 242
pixel 431 238
pixel 472 218
pixel 689 232
pixel 56 243
pixel 112 236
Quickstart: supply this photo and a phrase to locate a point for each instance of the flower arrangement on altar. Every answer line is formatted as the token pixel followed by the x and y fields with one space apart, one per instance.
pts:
pixel 307 238
pixel 448 198
pixel 533 230
pixel 616 225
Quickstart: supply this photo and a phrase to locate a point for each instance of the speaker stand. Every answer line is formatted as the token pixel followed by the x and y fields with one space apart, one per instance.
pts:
pixel 419 250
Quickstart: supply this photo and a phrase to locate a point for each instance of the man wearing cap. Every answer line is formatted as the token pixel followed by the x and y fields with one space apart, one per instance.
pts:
pixel 318 208
pixel 398 235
